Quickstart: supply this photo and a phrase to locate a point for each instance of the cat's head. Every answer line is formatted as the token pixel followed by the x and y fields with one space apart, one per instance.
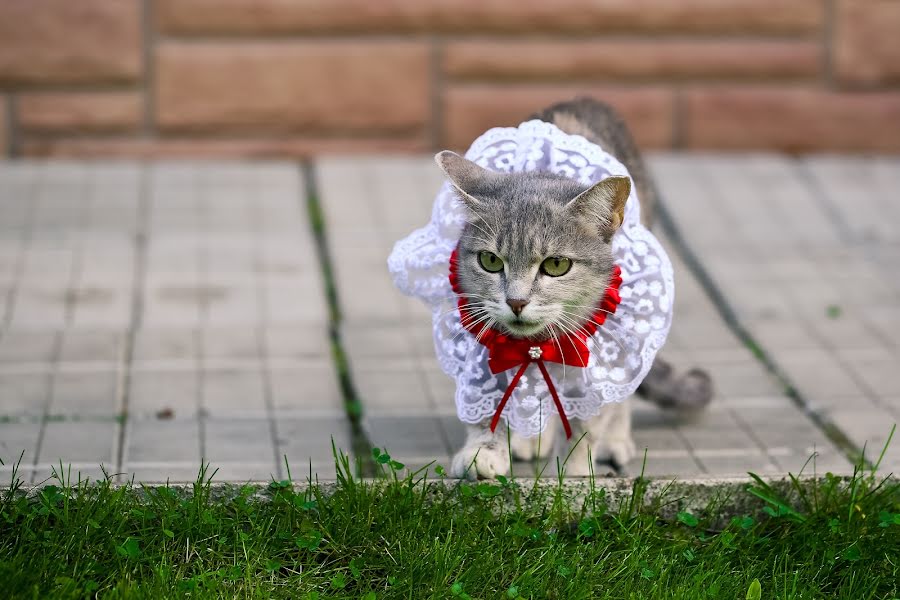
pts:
pixel 535 254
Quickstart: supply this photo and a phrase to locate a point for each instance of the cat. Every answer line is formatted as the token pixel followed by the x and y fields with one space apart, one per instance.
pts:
pixel 575 225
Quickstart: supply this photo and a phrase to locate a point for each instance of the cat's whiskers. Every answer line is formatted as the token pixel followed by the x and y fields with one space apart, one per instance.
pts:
pixel 491 322
pixel 577 316
pixel 474 318
pixel 573 325
pixel 555 339
pixel 483 317
pixel 569 326
pixel 470 306
pixel 574 328
pixel 594 308
pixel 481 300
pixel 566 332
pixel 590 337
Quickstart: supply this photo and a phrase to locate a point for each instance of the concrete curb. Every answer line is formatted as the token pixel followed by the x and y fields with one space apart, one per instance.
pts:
pixel 724 497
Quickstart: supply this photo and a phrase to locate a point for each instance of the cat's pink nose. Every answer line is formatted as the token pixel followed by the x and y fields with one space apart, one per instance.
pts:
pixel 517 305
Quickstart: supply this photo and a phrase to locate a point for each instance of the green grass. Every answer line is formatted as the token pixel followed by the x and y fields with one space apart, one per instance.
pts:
pixel 404 537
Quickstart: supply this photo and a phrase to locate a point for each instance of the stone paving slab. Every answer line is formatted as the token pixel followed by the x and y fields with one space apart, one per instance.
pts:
pixel 155 315
pixel 805 251
pixel 370 203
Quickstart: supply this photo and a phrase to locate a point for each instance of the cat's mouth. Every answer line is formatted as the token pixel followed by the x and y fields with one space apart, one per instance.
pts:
pixel 525 328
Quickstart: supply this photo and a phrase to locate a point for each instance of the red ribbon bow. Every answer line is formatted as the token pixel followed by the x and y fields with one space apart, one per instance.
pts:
pixel 506 352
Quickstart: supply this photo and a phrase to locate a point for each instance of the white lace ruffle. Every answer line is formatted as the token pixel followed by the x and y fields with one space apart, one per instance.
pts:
pixel 622 350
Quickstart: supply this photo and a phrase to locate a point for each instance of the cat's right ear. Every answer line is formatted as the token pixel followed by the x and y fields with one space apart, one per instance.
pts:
pixel 466 177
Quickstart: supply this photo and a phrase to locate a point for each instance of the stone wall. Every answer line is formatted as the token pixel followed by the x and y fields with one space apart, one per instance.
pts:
pixel 296 77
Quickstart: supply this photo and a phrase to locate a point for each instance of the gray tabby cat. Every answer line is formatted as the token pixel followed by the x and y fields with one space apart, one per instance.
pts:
pixel 561 218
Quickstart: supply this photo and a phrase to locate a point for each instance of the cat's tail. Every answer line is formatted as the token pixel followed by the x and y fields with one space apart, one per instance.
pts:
pixel 685 394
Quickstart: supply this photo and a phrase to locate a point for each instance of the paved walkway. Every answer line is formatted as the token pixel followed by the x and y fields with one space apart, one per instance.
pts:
pixel 154 315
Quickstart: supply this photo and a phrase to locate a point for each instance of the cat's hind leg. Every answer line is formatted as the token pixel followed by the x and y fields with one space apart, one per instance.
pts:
pixel 484 455
pixel 617 439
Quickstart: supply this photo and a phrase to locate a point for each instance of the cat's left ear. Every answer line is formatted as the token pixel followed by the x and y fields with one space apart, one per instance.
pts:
pixel 604 201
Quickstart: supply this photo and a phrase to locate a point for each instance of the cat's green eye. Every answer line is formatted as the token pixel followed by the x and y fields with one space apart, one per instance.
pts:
pixel 556 266
pixel 490 262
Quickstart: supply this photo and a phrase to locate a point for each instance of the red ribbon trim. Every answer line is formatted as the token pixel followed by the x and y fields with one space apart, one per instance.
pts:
pixel 506 352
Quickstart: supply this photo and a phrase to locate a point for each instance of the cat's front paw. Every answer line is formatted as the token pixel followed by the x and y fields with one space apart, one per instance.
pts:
pixel 579 468
pixel 531 448
pixel 621 450
pixel 480 462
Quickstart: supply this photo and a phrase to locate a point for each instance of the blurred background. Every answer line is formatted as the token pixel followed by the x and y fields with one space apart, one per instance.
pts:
pixel 289 78
pixel 164 300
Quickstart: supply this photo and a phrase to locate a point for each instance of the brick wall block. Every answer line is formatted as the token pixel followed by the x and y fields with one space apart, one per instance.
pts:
pixel 630 59
pixel 867 42
pixel 69 41
pixel 291 16
pixel 140 148
pixel 317 87
pixel 470 110
pixel 80 111
pixel 467 16
pixel 792 120
pixel 263 77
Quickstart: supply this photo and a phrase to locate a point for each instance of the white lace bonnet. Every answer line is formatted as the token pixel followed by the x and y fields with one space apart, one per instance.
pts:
pixel 622 350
